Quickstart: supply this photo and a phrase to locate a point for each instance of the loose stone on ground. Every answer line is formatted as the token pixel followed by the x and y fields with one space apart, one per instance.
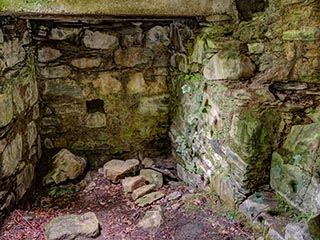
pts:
pixel 70 227
pixel 115 170
pixel 130 184
pixel 149 198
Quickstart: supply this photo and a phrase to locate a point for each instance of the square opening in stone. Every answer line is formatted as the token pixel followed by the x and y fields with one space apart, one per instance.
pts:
pixel 95 105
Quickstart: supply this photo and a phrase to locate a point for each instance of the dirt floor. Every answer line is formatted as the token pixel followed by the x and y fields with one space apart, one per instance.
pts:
pixel 194 215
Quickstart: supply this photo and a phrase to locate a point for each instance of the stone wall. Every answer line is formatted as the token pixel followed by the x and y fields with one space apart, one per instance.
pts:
pixel 19 113
pixel 247 110
pixel 104 85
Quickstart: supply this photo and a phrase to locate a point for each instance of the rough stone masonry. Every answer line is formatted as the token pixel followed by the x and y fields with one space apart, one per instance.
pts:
pixel 239 91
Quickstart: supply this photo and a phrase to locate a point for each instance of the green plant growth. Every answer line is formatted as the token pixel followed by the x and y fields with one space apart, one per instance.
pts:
pixel 60 191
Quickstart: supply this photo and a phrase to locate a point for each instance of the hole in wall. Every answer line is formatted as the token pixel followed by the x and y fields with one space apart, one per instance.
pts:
pixel 95 105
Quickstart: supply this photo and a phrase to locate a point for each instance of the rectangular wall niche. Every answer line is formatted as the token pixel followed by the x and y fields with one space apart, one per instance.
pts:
pixel 104 84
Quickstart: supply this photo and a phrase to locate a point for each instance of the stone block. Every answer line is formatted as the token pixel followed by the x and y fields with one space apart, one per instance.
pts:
pixel 158 86
pixel 32 134
pixel 152 220
pixel 65 166
pixel 96 120
pixel 84 63
pixel 130 184
pixel 12 155
pixel 115 169
pixel 73 226
pixel 13 52
pixel 133 56
pixel 6 109
pixel 107 83
pixel 47 54
pixel 224 67
pixel 136 83
pixel 61 71
pixel 155 105
pixel 61 33
pixel 59 88
pixel 149 198
pixel 157 37
pixel 24 180
pixel 152 177
pixel 141 191
pixel 100 40
pixel 303 34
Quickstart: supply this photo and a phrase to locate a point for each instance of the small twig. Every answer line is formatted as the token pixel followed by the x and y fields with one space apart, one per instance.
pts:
pixel 26 221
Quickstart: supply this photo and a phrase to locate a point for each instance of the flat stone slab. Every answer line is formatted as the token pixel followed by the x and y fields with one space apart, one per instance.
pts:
pixel 129 184
pixel 73 227
pixel 115 169
pixel 141 191
pixel 113 8
pixel 149 198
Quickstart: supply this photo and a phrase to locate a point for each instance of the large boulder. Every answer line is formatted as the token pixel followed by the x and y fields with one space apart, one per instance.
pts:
pixel 115 169
pixel 65 166
pixel 73 227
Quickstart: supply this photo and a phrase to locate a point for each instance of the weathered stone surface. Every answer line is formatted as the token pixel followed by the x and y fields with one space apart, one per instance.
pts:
pixel 157 37
pixel 152 177
pixel 136 84
pixel 6 109
pixel 132 56
pixel 115 170
pixel 253 208
pixel 147 162
pixel 32 133
pixel 141 191
pixel 12 155
pixel 297 231
pixel 100 40
pixel 152 220
pixel 124 8
pixel 24 180
pixel 46 54
pixel 293 169
pixel 3 144
pixel 158 86
pixel 65 166
pixel 1 37
pixel 61 71
pixel 106 83
pixel 256 48
pixel 224 67
pixel 13 52
pixel 155 105
pixel 62 88
pixel 62 33
pixel 304 34
pixel 149 198
pixel 130 184
pixel 84 63
pixel 96 120
pixel 70 227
